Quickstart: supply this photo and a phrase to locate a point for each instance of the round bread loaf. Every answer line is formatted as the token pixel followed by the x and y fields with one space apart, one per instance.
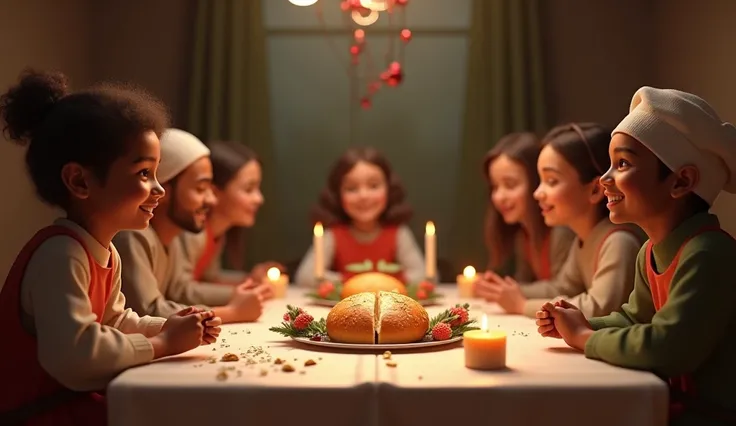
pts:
pixel 371 282
pixel 352 320
pixel 377 317
pixel 400 319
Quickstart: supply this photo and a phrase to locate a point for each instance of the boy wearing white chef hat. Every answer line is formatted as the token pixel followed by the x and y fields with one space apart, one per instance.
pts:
pixel 670 158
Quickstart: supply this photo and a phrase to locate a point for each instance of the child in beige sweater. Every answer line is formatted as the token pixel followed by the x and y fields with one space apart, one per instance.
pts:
pixel 93 154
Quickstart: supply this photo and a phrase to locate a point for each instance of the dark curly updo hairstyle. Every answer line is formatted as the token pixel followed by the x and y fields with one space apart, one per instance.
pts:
pixel 92 127
pixel 329 209
pixel 585 147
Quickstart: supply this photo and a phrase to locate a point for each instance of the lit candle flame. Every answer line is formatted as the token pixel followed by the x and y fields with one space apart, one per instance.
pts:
pixel 273 274
pixel 484 323
pixel 318 229
pixel 429 229
pixel 469 272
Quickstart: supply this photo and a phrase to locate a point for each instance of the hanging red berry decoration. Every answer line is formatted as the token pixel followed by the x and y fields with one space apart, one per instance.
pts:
pixel 364 13
pixel 405 35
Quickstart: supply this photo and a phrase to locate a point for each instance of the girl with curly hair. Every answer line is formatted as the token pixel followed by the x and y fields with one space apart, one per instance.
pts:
pixel 94 154
pixel 364 211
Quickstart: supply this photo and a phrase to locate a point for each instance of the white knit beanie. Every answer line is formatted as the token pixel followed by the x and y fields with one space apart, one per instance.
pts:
pixel 179 150
pixel 682 129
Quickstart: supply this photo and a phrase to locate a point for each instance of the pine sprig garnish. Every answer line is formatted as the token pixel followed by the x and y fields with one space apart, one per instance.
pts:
pixel 454 318
pixel 315 328
pixel 298 323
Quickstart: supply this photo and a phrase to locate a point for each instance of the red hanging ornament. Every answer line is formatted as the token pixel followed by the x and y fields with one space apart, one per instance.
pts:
pixel 365 103
pixel 394 67
pixel 355 50
pixel 359 36
pixel 401 2
pixel 405 35
pixel 345 5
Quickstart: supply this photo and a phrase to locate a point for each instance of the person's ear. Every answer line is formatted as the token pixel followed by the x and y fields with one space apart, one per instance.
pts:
pixel 77 180
pixel 686 178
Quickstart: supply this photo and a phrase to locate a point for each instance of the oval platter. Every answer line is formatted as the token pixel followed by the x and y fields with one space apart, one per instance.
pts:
pixel 377 346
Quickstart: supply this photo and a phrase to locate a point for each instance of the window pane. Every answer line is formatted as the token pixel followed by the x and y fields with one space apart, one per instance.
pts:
pixel 418 125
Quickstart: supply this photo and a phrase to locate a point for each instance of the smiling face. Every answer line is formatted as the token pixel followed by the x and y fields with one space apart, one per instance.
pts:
pixel 364 194
pixel 509 188
pixel 635 190
pixel 241 198
pixel 130 192
pixel 189 196
pixel 563 198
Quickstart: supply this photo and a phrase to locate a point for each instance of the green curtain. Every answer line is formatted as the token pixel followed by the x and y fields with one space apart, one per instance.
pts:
pixel 505 93
pixel 229 99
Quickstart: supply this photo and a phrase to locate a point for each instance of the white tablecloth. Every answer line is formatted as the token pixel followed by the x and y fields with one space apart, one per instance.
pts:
pixel 546 383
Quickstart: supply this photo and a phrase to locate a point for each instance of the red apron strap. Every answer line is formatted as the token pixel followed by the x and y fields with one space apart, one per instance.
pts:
pixel 208 254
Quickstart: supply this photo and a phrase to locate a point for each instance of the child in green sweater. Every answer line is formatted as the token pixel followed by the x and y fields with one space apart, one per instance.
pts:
pixel 670 158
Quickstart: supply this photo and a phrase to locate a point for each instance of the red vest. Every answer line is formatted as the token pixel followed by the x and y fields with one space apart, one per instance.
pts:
pixel 211 247
pixel 349 251
pixel 682 388
pixel 545 269
pixel 25 384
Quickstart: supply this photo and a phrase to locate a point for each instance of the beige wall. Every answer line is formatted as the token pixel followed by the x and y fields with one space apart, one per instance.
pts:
pixel 598 53
pixel 695 52
pixel 43 34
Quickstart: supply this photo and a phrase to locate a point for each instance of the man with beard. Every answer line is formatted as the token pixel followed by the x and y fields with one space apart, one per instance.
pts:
pixel 153 278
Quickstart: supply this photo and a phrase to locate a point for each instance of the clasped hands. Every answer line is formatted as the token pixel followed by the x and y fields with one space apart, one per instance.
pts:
pixel 563 320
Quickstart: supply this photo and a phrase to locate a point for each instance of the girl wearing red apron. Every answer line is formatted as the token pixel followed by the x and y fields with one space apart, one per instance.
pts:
pixel 93 154
pixel 598 273
pixel 364 211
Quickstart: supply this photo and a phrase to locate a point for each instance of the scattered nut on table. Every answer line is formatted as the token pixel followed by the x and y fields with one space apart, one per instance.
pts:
pixel 288 368
pixel 309 362
pixel 222 375
pixel 279 361
pixel 264 371
pixel 229 357
pixel 387 355
pixel 391 364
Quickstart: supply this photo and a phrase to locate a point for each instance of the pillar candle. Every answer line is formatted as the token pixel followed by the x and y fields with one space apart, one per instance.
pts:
pixel 319 251
pixel 485 350
pixel 465 282
pixel 279 281
pixel 430 251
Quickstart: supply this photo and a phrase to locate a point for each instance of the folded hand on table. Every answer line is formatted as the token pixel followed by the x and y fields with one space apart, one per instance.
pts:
pixel 564 320
pixel 183 331
pixel 246 304
pixel 211 325
pixel 504 291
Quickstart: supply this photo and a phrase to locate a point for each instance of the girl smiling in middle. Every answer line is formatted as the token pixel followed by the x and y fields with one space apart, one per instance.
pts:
pixel 598 275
